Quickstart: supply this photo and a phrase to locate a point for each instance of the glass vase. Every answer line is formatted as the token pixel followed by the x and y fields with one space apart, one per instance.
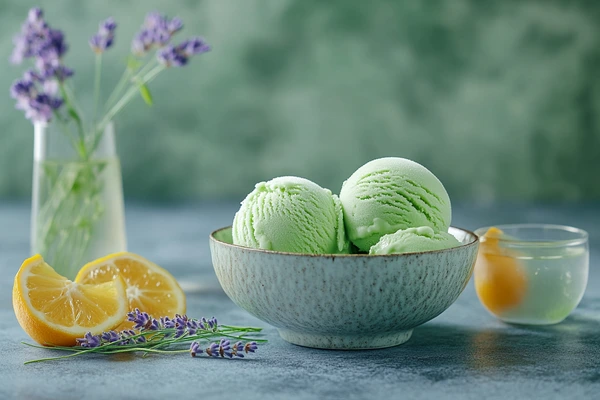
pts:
pixel 77 205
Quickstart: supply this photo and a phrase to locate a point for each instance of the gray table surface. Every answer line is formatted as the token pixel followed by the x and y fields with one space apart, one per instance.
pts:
pixel 463 353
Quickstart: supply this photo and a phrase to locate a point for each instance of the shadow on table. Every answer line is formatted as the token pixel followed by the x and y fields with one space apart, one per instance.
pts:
pixel 440 352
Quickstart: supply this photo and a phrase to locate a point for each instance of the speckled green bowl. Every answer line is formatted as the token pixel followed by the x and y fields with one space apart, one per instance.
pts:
pixel 343 301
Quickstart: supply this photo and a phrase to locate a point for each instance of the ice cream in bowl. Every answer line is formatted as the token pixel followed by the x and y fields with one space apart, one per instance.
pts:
pixel 357 271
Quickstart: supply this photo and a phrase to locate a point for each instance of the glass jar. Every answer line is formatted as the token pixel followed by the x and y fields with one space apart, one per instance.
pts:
pixel 77 205
pixel 532 274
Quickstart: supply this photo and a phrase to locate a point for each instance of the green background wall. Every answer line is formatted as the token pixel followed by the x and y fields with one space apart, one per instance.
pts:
pixel 500 99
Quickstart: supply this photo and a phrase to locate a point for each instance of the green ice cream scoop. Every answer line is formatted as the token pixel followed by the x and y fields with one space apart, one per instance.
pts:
pixel 291 214
pixel 389 194
pixel 413 240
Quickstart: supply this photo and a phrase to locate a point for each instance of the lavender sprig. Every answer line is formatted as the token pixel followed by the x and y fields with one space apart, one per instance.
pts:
pixel 156 32
pixel 178 56
pixel 105 36
pixel 46 46
pixel 180 334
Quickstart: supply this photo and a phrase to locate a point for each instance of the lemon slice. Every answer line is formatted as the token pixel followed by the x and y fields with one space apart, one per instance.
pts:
pixel 150 288
pixel 55 311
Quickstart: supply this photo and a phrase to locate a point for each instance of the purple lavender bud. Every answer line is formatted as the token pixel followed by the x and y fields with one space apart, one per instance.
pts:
pixel 141 339
pixel 97 43
pixel 153 20
pixel 89 340
pixel 23 89
pixel 105 36
pixel 162 37
pixel 193 46
pixel 132 315
pixel 142 320
pixel 20 50
pixel 142 42
pixel 110 336
pixel 195 349
pixel 225 348
pixel 175 25
pixel 250 347
pixel 154 325
pixel 57 44
pixel 237 350
pixel 108 26
pixel 238 346
pixel 213 350
pixel 179 333
pixel 167 56
pixel 61 73
pixel 126 337
pixel 31 75
pixel 41 108
pixel 35 15
pixel 169 323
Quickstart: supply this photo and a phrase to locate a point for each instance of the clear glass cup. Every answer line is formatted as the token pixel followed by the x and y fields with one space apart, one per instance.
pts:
pixel 532 274
pixel 77 204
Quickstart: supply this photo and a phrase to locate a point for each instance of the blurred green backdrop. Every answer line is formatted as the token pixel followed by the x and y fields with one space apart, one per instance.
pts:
pixel 500 99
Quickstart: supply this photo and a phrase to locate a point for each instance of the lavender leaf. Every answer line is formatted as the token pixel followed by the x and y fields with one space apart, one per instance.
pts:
pixel 146 95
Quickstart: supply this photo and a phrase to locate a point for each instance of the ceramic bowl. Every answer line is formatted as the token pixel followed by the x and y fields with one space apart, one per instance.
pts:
pixel 343 301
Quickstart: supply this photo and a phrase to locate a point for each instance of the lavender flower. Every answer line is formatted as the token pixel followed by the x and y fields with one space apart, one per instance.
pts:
pixel 146 339
pixel 126 337
pixel 250 347
pixel 167 322
pixel 89 340
pixel 175 25
pixel 170 57
pixel 37 39
pixel 213 350
pixel 237 349
pixel 105 36
pixel 195 349
pixel 178 56
pixel 46 46
pixel 225 348
pixel 141 319
pixel 110 336
pixel 157 31
pixel 35 16
pixel 37 105
pixel 184 326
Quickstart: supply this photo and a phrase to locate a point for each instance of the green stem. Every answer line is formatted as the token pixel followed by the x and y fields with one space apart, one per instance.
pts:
pixel 128 96
pixel 59 357
pixel 117 90
pixel 98 73
pixel 75 115
pixel 146 68
pixel 65 128
pixel 241 328
pixel 128 75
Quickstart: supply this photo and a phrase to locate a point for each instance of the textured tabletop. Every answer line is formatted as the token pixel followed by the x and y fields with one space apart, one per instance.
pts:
pixel 463 353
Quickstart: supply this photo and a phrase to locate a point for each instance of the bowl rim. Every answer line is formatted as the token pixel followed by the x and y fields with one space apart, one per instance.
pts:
pixel 237 246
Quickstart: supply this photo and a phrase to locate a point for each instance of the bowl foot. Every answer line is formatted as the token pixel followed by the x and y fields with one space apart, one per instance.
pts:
pixel 345 342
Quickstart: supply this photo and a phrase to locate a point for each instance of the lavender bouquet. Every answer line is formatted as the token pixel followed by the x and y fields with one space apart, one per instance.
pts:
pixel 71 200
pixel 180 334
